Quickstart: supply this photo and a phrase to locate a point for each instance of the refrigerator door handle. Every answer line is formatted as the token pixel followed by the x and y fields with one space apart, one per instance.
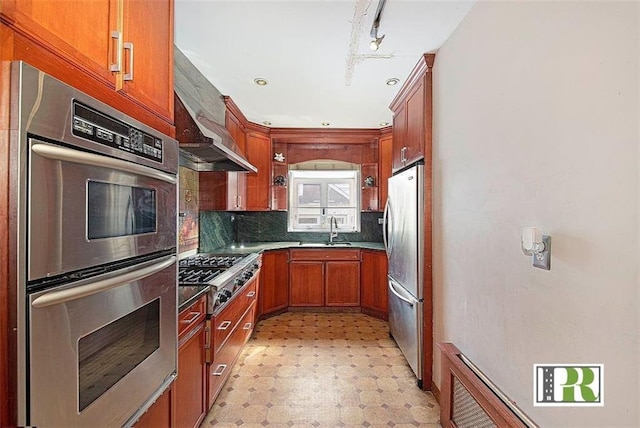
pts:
pixel 387 235
pixel 384 227
pixel 392 288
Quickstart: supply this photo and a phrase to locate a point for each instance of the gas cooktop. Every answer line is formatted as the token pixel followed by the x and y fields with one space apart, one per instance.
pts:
pixel 224 273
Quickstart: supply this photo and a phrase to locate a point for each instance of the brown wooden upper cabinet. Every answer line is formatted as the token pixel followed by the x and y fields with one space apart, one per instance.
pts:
pixel 258 150
pixel 127 46
pixel 385 149
pixel 412 118
pixel 223 191
pixel 147 55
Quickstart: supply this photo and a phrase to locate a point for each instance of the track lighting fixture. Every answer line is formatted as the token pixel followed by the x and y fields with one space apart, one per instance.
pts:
pixel 375 43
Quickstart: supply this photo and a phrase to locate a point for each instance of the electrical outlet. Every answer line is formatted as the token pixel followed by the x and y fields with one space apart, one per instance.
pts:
pixel 381 220
pixel 543 259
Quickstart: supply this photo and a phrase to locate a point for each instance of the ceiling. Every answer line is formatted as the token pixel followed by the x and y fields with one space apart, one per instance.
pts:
pixel 315 55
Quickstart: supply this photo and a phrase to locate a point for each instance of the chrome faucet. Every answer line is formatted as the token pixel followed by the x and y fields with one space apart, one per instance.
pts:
pixel 332 234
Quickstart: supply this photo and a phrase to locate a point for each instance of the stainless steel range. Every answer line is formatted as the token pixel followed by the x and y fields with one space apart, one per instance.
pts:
pixel 224 273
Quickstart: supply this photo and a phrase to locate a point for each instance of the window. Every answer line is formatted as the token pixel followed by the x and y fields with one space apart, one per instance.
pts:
pixel 317 196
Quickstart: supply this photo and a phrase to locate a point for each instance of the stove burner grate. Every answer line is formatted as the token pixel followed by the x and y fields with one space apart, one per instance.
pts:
pixel 199 276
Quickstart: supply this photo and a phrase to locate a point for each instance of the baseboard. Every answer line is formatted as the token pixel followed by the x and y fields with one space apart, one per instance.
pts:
pixel 435 391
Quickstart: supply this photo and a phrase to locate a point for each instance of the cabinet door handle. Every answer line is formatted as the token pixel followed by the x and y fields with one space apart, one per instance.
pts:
pixel 129 47
pixel 251 293
pixel 224 325
pixel 117 37
pixel 194 316
pixel 239 201
pixel 219 370
pixel 247 326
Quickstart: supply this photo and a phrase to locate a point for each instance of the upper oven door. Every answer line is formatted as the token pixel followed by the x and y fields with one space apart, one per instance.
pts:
pixel 86 209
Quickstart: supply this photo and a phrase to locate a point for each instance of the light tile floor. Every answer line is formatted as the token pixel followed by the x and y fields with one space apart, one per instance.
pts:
pixel 319 370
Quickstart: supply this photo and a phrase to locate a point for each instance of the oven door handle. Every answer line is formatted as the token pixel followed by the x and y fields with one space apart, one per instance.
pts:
pixel 76 156
pixel 66 295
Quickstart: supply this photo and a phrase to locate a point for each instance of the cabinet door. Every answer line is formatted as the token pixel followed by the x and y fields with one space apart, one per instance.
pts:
pixel 76 30
pixel 342 281
pixel 238 192
pixel 415 124
pixel 306 284
pixel 274 291
pixel 161 413
pixel 399 136
pixel 190 388
pixel 148 61
pixel 258 184
pixel 385 149
pixel 212 189
pixel 236 130
pixel 374 282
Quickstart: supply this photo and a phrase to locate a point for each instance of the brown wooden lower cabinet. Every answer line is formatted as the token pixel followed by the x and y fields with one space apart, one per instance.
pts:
pixel 231 329
pixel 320 277
pixel 190 387
pixel 274 281
pixel 325 277
pixel 306 283
pixel 160 414
pixel 219 369
pixel 342 283
pixel 374 292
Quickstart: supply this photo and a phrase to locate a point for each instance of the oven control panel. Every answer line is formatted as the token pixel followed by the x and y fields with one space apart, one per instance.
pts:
pixel 90 124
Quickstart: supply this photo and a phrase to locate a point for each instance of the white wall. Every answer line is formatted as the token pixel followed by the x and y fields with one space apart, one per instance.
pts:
pixel 536 124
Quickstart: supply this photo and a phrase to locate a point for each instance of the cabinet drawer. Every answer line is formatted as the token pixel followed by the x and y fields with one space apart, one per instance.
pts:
pixel 192 316
pixel 223 363
pixel 325 254
pixel 249 293
pixel 225 321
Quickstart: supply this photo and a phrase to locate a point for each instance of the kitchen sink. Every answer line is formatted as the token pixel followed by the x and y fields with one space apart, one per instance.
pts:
pixel 325 244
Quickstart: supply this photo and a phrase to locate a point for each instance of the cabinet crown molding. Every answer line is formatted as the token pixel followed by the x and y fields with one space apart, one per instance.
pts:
pixel 424 66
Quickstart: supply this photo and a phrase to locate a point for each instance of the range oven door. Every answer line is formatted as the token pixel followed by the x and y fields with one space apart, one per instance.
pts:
pixel 86 209
pixel 100 348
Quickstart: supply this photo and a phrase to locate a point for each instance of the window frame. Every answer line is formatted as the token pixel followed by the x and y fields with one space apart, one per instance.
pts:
pixel 348 217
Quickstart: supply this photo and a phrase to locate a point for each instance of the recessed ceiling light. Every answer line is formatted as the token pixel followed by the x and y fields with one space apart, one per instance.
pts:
pixel 392 81
pixel 325 124
pixel 260 81
pixel 384 123
pixel 266 122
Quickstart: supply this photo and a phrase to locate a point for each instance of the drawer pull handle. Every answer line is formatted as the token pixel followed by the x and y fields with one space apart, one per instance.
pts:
pixel 247 326
pixel 194 316
pixel 207 338
pixel 251 293
pixel 224 325
pixel 219 370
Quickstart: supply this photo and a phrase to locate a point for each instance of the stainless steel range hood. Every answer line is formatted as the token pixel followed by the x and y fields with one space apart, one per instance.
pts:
pixel 205 144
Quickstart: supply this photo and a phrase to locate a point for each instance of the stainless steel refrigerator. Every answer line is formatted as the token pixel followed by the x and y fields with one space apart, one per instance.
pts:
pixel 404 239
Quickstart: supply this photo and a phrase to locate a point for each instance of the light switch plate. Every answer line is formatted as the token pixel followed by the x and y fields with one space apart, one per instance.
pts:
pixel 543 260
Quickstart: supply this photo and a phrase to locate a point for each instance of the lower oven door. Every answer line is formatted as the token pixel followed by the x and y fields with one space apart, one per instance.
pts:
pixel 99 349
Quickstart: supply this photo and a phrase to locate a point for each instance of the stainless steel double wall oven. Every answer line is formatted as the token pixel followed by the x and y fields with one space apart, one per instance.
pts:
pixel 95 257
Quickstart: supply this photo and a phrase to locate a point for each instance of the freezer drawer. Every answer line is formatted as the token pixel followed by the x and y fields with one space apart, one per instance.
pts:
pixel 405 325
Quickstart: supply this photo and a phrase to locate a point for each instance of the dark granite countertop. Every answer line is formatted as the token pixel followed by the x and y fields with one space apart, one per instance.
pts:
pixel 265 246
pixel 188 294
